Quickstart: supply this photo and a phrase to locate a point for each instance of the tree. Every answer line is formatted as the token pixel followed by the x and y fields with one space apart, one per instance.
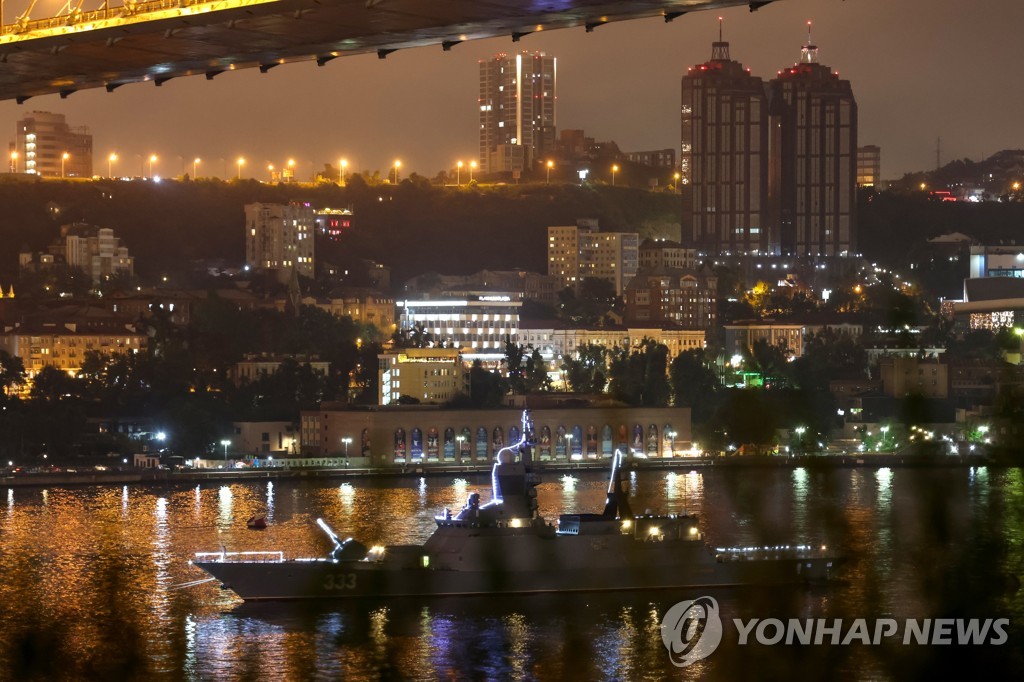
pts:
pixel 587 372
pixel 693 383
pixel 640 376
pixel 537 379
pixel 12 372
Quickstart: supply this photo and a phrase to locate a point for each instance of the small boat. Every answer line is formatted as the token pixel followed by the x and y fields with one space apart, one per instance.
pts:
pixel 257 522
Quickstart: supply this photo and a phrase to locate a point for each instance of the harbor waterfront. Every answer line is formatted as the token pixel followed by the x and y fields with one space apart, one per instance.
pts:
pixel 98 580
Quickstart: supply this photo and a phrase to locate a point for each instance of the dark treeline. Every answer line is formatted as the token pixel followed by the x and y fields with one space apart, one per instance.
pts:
pixel 413 227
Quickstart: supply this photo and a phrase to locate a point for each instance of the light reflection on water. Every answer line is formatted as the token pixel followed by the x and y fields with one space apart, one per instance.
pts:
pixel 91 576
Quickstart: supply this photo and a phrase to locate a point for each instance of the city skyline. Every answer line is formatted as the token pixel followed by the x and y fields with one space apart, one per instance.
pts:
pixel 302 112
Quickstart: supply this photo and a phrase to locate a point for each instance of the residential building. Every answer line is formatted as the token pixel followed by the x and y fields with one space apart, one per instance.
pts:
pixel 46 145
pixel 556 340
pixel 429 376
pixel 332 223
pixel 663 253
pixel 743 335
pixel 814 160
pixel 479 327
pixel 367 306
pixel 576 252
pixel 657 158
pixel 724 158
pixel 673 296
pixel 279 237
pixel 60 338
pixel 869 166
pixel 517 111
pixel 909 375
pixel 254 366
pixel 263 439
pixel 96 251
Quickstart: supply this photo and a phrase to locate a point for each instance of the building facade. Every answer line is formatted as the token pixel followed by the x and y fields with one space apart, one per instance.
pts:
pixel 869 166
pixel 517 111
pixel 663 253
pixel 742 336
pixel 673 296
pixel 425 435
pixel 96 251
pixel 554 340
pixel 62 340
pixel 367 306
pixel 279 237
pixel 45 145
pixel 479 327
pixel 814 129
pixel 431 376
pixel 724 158
pixel 576 252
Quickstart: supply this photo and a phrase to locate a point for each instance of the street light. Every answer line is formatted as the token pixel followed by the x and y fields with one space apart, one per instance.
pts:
pixel 460 440
pixel 551 164
pixel 152 160
pixel 64 157
pixel 240 162
pixel 671 434
pixel 110 164
pixel 225 443
pixel 615 169
pixel 472 167
pixel 291 168
pixel 344 164
pixel 458 174
pixel 195 163
pixel 398 164
pixel 270 169
pixel 14 162
pixel 568 436
pixel 346 441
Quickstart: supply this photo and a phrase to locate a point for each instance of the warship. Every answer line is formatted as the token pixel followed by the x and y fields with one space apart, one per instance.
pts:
pixel 504 546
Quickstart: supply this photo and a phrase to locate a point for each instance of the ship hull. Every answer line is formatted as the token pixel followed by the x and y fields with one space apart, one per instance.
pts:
pixel 661 567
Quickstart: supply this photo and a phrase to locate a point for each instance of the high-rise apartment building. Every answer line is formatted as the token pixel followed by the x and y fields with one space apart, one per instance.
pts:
pixel 517 111
pixel 46 145
pixel 869 165
pixel 814 130
pixel 724 158
pixel 280 237
pixel 768 169
pixel 576 252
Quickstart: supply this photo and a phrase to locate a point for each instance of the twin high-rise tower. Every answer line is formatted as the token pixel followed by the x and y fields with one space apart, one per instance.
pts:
pixel 770 168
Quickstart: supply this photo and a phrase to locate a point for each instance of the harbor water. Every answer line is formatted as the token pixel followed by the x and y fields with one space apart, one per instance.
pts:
pixel 97 582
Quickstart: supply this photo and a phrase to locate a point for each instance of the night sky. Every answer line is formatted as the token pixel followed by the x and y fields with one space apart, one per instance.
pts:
pixel 920 69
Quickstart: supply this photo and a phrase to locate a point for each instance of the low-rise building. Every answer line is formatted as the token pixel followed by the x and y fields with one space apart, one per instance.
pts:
pixel 423 375
pixel 366 306
pixel 60 338
pixel 260 439
pixel 477 326
pixel 907 375
pixel 555 340
pixel 424 435
pixel 254 366
pixel 743 335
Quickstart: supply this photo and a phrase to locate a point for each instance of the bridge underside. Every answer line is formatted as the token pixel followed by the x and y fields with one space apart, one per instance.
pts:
pixel 164 39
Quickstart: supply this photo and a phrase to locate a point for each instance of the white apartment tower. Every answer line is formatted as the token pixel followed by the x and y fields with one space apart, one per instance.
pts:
pixel 280 237
pixel 517 111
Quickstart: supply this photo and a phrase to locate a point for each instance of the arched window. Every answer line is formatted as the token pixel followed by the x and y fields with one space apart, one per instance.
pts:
pixel 561 443
pixel 606 441
pixel 400 446
pixel 466 444
pixel 416 445
pixel 364 441
pixel 591 442
pixel 449 444
pixel 433 446
pixel 481 444
pixel 544 445
pixel 576 444
pixel 652 440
